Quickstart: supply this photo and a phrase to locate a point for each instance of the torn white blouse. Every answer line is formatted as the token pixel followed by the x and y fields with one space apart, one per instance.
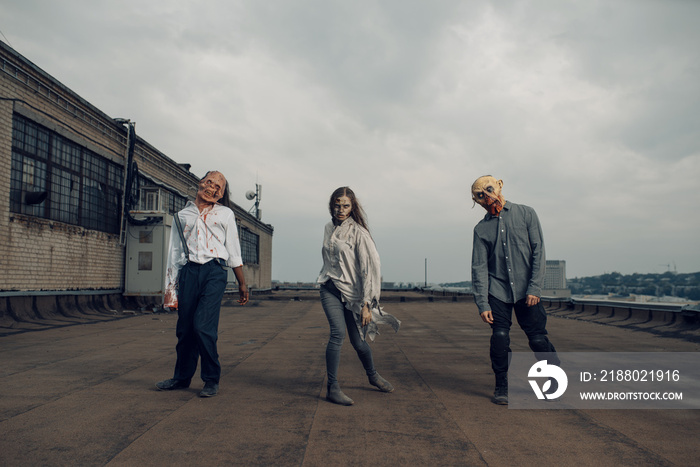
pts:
pixel 351 261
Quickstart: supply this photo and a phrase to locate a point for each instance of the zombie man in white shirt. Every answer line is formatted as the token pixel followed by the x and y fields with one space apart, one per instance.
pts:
pixel 196 280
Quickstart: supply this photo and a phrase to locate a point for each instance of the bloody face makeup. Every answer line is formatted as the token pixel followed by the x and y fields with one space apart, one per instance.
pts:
pixel 486 192
pixel 342 207
pixel 211 188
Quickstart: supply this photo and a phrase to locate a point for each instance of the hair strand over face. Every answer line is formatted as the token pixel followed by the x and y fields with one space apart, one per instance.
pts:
pixel 357 213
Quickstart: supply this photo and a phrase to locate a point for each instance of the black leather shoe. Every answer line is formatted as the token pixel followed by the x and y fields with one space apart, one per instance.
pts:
pixel 170 384
pixel 210 389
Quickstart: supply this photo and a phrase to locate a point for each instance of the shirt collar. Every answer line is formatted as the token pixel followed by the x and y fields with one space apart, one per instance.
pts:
pixel 192 209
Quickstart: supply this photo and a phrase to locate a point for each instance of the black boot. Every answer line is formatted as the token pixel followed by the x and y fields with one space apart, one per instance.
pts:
pixel 500 394
pixel 336 396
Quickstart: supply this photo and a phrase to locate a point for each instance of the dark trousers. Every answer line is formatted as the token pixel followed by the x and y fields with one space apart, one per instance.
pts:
pixel 201 289
pixel 340 319
pixel 532 320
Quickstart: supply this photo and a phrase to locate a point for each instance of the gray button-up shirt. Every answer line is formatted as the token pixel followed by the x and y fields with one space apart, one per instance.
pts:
pixel 508 258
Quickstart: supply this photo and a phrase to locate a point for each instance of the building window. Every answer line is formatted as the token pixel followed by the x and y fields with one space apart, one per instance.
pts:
pixel 159 199
pixel 249 246
pixel 172 203
pixel 177 203
pixel 54 178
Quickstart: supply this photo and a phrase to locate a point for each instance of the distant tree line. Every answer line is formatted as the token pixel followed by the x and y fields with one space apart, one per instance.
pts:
pixel 657 285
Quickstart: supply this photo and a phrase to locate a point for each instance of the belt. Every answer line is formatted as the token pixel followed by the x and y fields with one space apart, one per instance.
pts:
pixel 221 262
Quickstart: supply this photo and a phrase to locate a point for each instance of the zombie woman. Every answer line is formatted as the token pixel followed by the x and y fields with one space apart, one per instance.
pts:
pixel 350 288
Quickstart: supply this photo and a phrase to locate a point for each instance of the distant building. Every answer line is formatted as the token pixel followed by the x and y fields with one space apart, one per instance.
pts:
pixel 555 279
pixel 65 166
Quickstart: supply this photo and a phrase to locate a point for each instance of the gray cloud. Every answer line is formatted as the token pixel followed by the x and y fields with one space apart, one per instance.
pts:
pixel 588 111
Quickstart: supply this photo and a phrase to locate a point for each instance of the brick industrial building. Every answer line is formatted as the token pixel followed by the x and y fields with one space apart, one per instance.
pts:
pixel 63 173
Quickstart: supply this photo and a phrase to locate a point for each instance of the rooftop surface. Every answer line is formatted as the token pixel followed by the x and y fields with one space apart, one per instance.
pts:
pixel 84 394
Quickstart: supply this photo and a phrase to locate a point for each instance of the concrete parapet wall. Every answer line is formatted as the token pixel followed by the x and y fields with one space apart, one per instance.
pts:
pixel 387 296
pixel 52 310
pixel 63 309
pixel 669 320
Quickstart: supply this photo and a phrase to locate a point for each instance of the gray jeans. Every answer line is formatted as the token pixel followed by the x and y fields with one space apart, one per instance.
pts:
pixel 340 319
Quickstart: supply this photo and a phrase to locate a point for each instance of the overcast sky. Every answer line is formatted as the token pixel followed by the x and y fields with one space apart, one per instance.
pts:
pixel 588 111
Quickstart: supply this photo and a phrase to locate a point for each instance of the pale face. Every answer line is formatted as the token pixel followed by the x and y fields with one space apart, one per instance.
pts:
pixel 342 208
pixel 211 188
pixel 486 192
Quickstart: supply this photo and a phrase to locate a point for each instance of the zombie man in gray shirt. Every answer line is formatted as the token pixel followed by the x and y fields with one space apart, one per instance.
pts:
pixel 508 264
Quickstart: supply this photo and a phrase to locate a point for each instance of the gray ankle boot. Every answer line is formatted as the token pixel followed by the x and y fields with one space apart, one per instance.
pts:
pixel 336 396
pixel 381 383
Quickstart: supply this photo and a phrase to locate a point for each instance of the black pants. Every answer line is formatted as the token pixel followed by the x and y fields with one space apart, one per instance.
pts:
pixel 532 320
pixel 201 288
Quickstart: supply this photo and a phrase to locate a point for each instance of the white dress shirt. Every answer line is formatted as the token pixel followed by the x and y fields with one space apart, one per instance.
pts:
pixel 210 234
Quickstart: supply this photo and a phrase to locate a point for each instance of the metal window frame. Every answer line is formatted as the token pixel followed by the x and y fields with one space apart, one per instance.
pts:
pixel 92 171
pixel 250 245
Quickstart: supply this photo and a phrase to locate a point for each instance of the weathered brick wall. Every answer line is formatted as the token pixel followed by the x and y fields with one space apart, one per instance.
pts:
pixel 40 254
pixel 48 255
pixel 5 168
pixel 259 276
pixel 266 260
